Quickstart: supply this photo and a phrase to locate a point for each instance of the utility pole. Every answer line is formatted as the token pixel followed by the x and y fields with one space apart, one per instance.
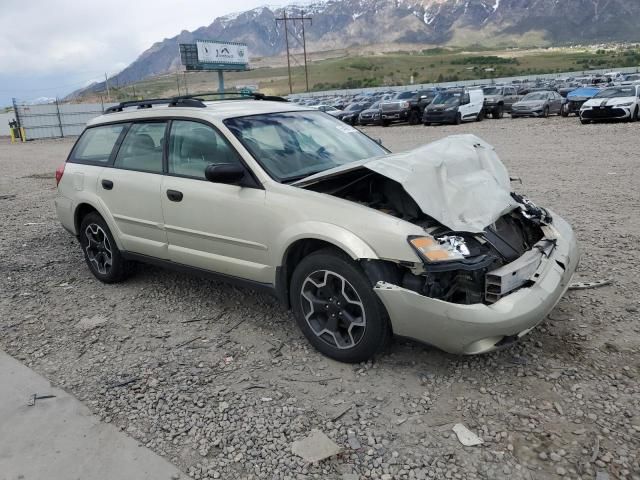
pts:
pixel 286 19
pixel 178 82
pixel 186 87
pixel 106 81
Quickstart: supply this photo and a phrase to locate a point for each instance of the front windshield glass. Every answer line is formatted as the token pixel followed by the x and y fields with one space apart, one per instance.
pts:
pixel 535 96
pixel 404 95
pixel 294 145
pixel 617 92
pixel 492 90
pixel 448 98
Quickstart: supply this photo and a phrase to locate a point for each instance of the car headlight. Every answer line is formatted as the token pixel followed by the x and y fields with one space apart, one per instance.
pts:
pixel 626 104
pixel 440 249
pixel 404 104
pixel 450 109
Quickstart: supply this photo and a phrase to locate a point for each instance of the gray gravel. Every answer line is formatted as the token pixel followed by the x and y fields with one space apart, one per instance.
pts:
pixel 218 379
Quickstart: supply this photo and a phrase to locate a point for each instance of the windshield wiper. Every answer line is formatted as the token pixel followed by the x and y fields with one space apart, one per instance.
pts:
pixel 300 177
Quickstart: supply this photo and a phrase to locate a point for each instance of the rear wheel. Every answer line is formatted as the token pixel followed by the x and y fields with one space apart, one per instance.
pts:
pixel 100 250
pixel 336 308
pixel 414 117
pixel 564 110
pixel 499 112
pixel 427 124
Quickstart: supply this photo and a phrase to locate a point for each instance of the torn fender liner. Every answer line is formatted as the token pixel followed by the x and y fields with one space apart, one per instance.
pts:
pixel 459 180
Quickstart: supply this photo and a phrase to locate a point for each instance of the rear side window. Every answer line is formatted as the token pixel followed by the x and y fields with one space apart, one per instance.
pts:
pixel 96 144
pixel 142 148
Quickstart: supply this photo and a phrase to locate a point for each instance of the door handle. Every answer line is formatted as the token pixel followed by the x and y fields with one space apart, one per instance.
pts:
pixel 174 195
pixel 107 184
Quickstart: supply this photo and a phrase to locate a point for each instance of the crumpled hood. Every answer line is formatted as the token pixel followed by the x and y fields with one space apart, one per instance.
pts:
pixel 459 180
pixel 611 102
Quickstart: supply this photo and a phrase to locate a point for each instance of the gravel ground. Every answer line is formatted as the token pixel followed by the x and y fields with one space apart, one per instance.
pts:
pixel 219 380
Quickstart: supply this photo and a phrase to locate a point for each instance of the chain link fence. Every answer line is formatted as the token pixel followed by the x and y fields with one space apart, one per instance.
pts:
pixel 55 120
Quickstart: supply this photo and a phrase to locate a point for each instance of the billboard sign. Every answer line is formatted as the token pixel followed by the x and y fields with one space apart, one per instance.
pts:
pixel 222 52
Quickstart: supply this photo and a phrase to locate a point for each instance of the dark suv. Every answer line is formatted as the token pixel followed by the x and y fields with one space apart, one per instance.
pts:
pixel 405 107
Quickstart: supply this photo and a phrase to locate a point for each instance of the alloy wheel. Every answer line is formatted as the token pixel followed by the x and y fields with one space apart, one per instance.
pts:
pixel 333 309
pixel 98 248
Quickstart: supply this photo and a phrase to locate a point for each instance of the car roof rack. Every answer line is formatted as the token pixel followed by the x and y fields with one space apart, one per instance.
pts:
pixel 195 100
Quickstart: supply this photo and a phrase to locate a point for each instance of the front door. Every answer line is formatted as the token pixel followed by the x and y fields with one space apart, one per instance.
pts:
pixel 213 226
pixel 131 190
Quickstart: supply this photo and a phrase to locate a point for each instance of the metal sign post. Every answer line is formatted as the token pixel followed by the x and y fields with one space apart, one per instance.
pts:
pixel 209 55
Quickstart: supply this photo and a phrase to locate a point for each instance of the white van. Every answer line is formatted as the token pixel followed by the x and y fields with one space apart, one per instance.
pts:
pixel 455 106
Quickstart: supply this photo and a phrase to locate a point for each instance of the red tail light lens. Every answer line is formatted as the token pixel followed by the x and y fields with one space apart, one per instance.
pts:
pixel 59 173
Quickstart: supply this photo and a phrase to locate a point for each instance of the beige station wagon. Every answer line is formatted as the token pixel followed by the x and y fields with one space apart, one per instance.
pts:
pixel 360 243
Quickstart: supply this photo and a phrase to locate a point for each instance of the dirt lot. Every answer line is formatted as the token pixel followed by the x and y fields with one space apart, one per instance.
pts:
pixel 220 381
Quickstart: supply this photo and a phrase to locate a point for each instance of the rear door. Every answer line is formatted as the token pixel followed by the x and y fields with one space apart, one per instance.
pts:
pixel 213 226
pixel 556 102
pixel 131 189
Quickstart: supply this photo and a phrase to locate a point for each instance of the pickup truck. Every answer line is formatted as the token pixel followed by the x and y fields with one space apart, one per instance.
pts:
pixel 499 99
pixel 406 107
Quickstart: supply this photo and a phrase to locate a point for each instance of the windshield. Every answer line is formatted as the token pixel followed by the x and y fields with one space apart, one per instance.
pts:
pixel 492 90
pixel 447 98
pixel 404 95
pixel 353 106
pixel 617 92
pixel 294 145
pixel 374 106
pixel 535 96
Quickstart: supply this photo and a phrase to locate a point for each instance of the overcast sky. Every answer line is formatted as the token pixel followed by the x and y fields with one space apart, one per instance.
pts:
pixel 52 47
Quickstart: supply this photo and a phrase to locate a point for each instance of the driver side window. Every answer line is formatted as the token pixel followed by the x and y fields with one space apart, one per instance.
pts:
pixel 193 146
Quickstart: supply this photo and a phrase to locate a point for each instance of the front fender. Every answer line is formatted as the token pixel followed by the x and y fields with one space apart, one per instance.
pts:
pixel 342 238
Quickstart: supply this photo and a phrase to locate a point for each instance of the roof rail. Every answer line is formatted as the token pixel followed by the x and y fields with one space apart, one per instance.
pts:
pixel 195 100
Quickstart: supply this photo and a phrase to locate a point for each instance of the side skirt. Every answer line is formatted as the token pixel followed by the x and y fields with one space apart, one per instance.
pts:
pixel 201 272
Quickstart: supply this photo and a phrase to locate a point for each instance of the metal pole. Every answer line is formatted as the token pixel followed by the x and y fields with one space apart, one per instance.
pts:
pixel 106 81
pixel 15 111
pixel 221 83
pixel 304 47
pixel 186 87
pixel 286 37
pixel 178 83
pixel 59 119
pixel 135 97
pixel 102 103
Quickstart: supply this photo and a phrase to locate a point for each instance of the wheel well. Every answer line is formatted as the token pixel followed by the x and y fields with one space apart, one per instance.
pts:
pixel 292 257
pixel 81 211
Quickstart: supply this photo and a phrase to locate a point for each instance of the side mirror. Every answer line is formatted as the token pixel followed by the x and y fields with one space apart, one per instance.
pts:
pixel 422 97
pixel 228 173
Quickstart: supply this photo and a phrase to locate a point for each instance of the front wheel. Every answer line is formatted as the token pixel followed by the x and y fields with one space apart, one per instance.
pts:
pixel 584 122
pixel 499 113
pixel 545 112
pixel 480 116
pixel 385 123
pixel 634 116
pixel 336 308
pixel 100 250
pixel 458 119
pixel 414 118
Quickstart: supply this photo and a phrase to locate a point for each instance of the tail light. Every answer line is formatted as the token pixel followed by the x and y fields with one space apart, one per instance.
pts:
pixel 59 173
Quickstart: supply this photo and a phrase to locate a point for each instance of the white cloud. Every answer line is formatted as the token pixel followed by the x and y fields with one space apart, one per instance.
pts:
pixel 74 36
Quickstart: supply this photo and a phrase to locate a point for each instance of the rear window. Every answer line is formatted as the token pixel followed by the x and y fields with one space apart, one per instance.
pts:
pixel 96 144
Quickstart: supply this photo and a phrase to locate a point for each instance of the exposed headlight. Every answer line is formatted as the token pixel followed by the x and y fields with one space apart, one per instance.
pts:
pixel 441 249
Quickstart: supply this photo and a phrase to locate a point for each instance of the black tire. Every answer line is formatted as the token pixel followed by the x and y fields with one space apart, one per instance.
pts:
pixel 480 116
pixel 99 248
pixel 311 280
pixel 458 119
pixel 414 117
pixel 564 110
pixel 385 123
pixel 427 124
pixel 545 112
pixel 499 112
pixel 634 116
pixel 584 122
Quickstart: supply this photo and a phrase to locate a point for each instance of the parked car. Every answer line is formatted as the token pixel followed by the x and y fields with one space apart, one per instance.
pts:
pixel 455 106
pixel 359 243
pixel 614 103
pixel 331 110
pixel 350 114
pixel 402 107
pixel 576 98
pixel 499 99
pixel 370 116
pixel 538 104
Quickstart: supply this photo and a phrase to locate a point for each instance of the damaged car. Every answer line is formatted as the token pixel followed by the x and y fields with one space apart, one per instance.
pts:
pixel 360 243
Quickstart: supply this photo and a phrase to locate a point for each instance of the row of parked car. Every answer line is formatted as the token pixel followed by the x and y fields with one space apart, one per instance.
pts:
pixel 592 98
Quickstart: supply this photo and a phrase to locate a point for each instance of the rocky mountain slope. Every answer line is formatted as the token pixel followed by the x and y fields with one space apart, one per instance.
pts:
pixel 341 23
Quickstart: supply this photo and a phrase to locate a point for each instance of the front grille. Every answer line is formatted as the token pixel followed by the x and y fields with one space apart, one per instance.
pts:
pixel 390 107
pixel 606 112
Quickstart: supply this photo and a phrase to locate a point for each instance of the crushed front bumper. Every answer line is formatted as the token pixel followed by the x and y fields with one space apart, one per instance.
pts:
pixel 480 328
